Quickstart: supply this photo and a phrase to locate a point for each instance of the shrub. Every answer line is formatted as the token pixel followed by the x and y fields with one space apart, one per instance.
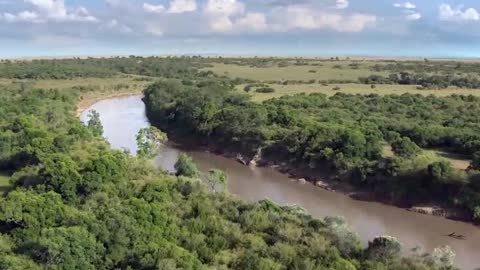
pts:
pixel 476 214
pixel 383 248
pixel 476 161
pixel 265 90
pixel 185 166
pixel 405 148
pixel 441 170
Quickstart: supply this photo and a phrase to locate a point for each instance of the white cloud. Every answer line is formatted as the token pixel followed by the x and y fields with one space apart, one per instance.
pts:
pixel 50 10
pixel 229 16
pixel 413 16
pixel 154 30
pixel 153 8
pixel 175 6
pixel 24 16
pixel 409 9
pixel 114 3
pixel 224 7
pixel 447 13
pixel 181 6
pixel 342 4
pixel 221 24
pixel 225 17
pixel 117 26
pixel 406 5
pixel 303 17
pixel 220 13
pixel 252 21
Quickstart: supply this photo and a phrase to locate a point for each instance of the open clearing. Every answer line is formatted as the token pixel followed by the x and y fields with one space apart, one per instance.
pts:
pixel 458 161
pixel 427 156
pixel 381 89
pixel 328 70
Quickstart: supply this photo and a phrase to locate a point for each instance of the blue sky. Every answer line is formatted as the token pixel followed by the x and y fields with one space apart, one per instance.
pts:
pixel 425 28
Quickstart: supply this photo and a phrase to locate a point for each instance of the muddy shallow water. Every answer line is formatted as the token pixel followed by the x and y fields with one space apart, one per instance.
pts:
pixel 123 117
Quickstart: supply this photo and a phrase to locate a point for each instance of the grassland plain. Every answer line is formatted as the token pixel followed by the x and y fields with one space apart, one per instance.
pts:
pixel 349 88
pixel 325 70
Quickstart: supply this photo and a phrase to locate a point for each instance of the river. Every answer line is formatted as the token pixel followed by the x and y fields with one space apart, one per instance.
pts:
pixel 123 117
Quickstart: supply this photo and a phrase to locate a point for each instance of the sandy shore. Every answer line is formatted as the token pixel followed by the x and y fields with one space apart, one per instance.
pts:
pixel 88 101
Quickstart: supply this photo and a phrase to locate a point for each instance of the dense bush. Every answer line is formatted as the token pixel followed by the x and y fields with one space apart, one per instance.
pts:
pixel 426 81
pixel 77 204
pixel 405 148
pixel 179 67
pixel 343 133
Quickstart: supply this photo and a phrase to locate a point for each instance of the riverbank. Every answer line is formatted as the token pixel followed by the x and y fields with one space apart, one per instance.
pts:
pixel 303 175
pixel 88 100
pixel 328 182
pixel 319 178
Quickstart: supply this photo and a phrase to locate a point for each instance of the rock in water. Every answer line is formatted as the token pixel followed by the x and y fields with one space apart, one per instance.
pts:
pixel 241 159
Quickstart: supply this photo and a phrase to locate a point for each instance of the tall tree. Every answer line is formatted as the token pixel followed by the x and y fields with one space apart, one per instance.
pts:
pixel 94 123
pixel 149 140
pixel 185 166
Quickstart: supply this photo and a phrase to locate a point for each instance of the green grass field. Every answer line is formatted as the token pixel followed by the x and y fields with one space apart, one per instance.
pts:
pixel 427 156
pixel 381 89
pixel 458 161
pixel 324 71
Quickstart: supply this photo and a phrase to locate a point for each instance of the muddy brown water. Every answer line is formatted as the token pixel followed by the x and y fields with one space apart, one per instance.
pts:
pixel 123 117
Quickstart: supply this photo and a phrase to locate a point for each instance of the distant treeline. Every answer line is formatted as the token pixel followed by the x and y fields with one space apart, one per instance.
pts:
pixel 432 67
pixel 175 67
pixel 425 81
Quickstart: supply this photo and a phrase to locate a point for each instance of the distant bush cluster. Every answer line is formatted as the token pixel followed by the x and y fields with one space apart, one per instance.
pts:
pixel 425 81
pixel 265 90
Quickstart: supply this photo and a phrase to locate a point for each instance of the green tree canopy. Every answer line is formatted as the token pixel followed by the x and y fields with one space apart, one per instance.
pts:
pixel 149 140
pixel 404 147
pixel 94 123
pixel 185 166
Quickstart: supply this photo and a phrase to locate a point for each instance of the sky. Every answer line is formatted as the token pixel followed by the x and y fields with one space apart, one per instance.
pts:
pixel 392 28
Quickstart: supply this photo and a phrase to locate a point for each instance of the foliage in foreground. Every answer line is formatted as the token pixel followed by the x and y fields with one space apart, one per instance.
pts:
pixel 77 204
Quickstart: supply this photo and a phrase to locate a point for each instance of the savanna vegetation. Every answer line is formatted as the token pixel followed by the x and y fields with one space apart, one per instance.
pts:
pixel 344 134
pixel 74 203
pixel 98 67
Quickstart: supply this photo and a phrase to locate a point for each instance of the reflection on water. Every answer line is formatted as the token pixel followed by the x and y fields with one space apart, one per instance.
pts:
pixel 123 117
